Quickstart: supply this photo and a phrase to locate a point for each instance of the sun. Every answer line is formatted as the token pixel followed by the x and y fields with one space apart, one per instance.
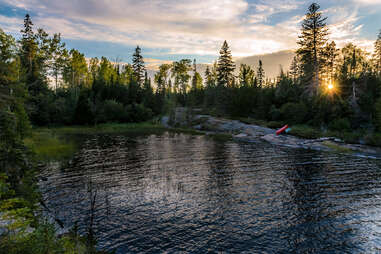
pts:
pixel 330 86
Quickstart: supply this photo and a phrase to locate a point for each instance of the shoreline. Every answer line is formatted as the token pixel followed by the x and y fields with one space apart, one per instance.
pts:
pixel 55 143
pixel 241 131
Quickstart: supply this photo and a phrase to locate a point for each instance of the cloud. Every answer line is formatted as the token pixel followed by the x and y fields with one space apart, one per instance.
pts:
pixel 184 27
pixel 265 9
pixel 367 2
pixel 10 25
pixel 345 28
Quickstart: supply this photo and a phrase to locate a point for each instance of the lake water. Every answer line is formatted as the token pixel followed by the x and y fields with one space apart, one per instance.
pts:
pixel 184 193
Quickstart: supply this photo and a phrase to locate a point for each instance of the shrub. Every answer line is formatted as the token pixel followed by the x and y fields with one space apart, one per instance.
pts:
pixel 275 124
pixel 373 139
pixel 138 113
pixel 378 114
pixel 113 111
pixel 341 124
pixel 351 137
pixel 275 113
pixel 305 131
pixel 293 112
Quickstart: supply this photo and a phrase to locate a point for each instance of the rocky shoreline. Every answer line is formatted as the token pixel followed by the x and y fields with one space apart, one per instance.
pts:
pixel 252 133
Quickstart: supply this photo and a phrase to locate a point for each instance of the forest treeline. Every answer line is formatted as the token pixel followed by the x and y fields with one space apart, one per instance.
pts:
pixel 43 83
pixel 326 87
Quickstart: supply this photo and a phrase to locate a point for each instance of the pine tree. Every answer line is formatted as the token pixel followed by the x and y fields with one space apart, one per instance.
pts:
pixel 138 66
pixel 194 79
pixel 328 62
pixel 246 75
pixel 377 54
pixel 209 79
pixel 260 74
pixel 311 42
pixel 225 67
pixel 295 69
pixel 28 52
pixel 59 57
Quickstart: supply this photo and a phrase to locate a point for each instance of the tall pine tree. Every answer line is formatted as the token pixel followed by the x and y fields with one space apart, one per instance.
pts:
pixel 225 67
pixel 260 74
pixel 311 42
pixel 138 66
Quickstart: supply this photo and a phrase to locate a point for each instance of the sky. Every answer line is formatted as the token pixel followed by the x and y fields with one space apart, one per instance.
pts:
pixel 195 29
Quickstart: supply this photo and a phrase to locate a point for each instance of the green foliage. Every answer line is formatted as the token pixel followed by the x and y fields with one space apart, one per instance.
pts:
pixel 294 113
pixel 275 124
pixel 138 113
pixel 49 146
pixel 305 131
pixel 225 67
pixel 275 113
pixel 83 112
pixel 378 114
pixel 311 44
pixel 341 124
pixel 138 66
pixel 113 111
pixel 373 139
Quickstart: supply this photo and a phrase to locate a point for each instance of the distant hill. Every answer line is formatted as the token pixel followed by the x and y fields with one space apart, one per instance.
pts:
pixel 271 63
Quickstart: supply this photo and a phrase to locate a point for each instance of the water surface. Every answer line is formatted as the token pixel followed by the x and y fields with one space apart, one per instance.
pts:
pixel 183 193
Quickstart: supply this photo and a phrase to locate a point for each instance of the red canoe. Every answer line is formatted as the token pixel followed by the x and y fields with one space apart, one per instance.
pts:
pixel 281 129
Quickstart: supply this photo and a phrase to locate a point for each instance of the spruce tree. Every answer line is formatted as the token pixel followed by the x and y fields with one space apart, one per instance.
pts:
pixel 28 52
pixel 260 74
pixel 246 76
pixel 295 69
pixel 225 67
pixel 311 42
pixel 138 66
pixel 194 79
pixel 209 79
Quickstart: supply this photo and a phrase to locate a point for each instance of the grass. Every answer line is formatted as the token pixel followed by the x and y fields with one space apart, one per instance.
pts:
pixel 49 146
pixel 110 128
pixel 337 148
pixel 305 131
pixel 57 143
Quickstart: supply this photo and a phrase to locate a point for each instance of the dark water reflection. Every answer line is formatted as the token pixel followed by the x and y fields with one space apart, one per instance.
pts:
pixel 181 193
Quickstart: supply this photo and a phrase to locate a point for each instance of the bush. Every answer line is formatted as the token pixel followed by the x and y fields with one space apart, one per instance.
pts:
pixel 341 124
pixel 373 139
pixel 275 113
pixel 351 137
pixel 305 131
pixel 378 114
pixel 275 124
pixel 138 113
pixel 293 113
pixel 114 111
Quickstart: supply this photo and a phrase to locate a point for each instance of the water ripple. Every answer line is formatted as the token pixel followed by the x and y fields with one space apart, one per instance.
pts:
pixel 182 193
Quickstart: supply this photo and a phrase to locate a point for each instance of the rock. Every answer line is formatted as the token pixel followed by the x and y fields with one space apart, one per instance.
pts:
pixel 197 127
pixel 338 140
pixel 241 135
pixel 164 121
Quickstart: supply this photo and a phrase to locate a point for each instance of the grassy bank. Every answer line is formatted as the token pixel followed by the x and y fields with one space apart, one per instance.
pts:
pixel 47 145
pixel 57 143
